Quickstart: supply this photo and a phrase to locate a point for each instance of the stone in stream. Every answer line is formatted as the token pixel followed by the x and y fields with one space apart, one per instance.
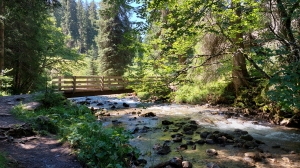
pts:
pixel 167 122
pixel 140 162
pixel 175 162
pixel 182 147
pixel 189 132
pixel 201 141
pixel 187 164
pixel 189 142
pixel 190 127
pixel 252 155
pixel 211 152
pixel 100 104
pixel 164 150
pixel 125 105
pixel 177 139
pixel 246 137
pixel 204 134
pixel 212 165
pixel 149 114
pixel 135 130
pixel 194 147
pixel 250 145
pixel 145 129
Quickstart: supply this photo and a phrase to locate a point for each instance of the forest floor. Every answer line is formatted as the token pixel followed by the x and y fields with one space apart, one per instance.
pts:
pixel 31 151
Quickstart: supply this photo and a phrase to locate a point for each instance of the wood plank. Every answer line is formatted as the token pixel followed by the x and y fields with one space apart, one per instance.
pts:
pixel 95 93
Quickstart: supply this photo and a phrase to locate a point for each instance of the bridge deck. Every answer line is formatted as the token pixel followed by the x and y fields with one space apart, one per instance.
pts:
pixel 77 86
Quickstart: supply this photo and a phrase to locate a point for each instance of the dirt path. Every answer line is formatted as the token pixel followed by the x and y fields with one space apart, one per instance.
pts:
pixel 32 151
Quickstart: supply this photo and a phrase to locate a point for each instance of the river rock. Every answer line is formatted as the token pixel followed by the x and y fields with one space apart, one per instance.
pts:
pixel 176 135
pixel 179 124
pixel 250 145
pixel 175 162
pixel 163 150
pixel 189 142
pixel 140 162
pixel 253 155
pixel 149 114
pixel 291 122
pixel 201 141
pixel 188 127
pixel 204 134
pixel 100 104
pixel 177 139
pixel 187 164
pixel 241 132
pixel 246 137
pixel 211 152
pixel 212 165
pixel 189 132
pixel 125 105
pixel 213 137
pixel 182 147
pixel 174 129
pixel 209 141
pixel 194 147
pixel 145 129
pixel 167 122
pixel 193 122
pixel 222 139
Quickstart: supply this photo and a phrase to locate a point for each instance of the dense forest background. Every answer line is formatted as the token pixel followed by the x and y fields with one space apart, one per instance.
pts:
pixel 241 52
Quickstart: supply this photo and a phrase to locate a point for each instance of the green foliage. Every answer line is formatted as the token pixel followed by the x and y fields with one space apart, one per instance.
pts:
pixel 51 98
pixel 214 92
pixel 95 145
pixel 284 88
pixel 3 161
pixel 101 147
pixel 5 82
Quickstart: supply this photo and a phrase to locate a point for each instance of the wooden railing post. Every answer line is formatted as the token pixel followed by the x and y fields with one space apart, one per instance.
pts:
pixel 74 84
pixel 102 83
pixel 59 83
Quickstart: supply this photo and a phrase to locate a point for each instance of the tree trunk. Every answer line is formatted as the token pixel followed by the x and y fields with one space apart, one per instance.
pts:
pixel 239 71
pixel 1 38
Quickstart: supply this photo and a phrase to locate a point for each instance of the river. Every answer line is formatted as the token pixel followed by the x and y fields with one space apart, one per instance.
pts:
pixel 280 146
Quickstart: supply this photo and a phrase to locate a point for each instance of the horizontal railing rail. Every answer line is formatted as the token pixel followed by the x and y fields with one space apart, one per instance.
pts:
pixel 80 83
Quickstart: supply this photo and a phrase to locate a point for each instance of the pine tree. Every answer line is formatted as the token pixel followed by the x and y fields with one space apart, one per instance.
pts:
pixel 82 27
pixel 114 38
pixel 70 23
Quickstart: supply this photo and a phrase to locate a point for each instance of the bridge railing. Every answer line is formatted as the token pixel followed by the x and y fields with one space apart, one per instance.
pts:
pixel 84 83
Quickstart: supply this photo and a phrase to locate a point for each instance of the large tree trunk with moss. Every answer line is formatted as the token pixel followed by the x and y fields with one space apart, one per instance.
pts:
pixel 239 72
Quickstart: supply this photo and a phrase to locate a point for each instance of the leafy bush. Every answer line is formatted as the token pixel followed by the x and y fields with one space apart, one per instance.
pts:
pixel 96 146
pixel 51 98
pixel 285 88
pixel 101 147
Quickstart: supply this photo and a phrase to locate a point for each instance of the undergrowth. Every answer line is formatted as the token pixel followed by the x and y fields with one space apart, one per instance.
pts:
pixel 95 145
pixel 3 161
pixel 195 93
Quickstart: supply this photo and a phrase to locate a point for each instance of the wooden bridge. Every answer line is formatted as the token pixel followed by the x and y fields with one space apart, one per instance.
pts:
pixel 77 86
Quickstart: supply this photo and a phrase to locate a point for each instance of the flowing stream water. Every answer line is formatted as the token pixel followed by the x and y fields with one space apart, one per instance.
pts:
pixel 283 144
